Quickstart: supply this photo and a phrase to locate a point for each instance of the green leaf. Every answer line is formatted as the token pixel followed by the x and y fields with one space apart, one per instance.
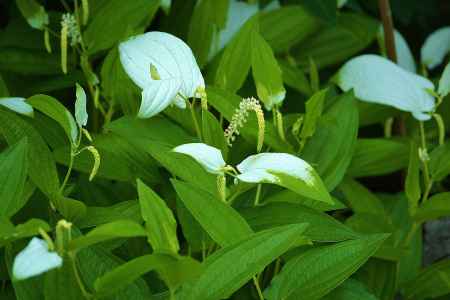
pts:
pixel 412 182
pixel 13 173
pixel 434 208
pixel 295 78
pixel 322 227
pixel 303 277
pixel 291 197
pixel 159 220
pixel 55 110
pixel 325 9
pixel 351 289
pixel 266 72
pixel 62 282
pixel 9 233
pixel 360 199
pixel 331 148
pixel 240 261
pixel 81 115
pixel 70 209
pixel 440 162
pixel 116 229
pixel 28 61
pixel 213 133
pixel 313 111
pixel 218 219
pixel 128 272
pixel 444 82
pixel 208 18
pixel 132 15
pixel 373 157
pixel 4 92
pixel 41 166
pixel 236 59
pixel 284 27
pixel 34 13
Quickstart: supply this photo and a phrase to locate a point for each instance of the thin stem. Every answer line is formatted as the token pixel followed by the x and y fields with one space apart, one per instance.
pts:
pixel 426 173
pixel 194 119
pixel 258 194
pixel 85 293
pixel 388 27
pixel 69 170
pixel 258 288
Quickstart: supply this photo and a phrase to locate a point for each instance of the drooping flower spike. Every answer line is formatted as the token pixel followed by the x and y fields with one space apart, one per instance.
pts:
pixel 164 67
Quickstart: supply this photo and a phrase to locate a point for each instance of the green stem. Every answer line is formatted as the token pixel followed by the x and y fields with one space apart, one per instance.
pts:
pixel 426 172
pixel 69 170
pixel 194 119
pixel 258 288
pixel 258 194
pixel 83 289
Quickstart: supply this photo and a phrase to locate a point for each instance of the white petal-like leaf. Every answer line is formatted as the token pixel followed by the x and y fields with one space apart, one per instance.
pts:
pixel 376 79
pixel 285 170
pixel 209 157
pixel 436 47
pixel 168 55
pixel 18 105
pixel 157 96
pixel 405 59
pixel 81 114
pixel 35 259
pixel 444 82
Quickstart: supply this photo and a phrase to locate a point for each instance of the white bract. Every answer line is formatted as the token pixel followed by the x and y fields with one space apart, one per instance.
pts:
pixel 209 157
pixel 405 59
pixel 35 259
pixel 164 67
pixel 444 82
pixel 18 105
pixel 436 47
pixel 378 80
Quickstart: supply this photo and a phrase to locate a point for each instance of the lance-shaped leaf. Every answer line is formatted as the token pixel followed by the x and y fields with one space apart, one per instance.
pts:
pixel 34 260
pixel 285 170
pixel 81 115
pixel 209 157
pixel 436 47
pixel 18 105
pixel 378 80
pixel 444 82
pixel 35 13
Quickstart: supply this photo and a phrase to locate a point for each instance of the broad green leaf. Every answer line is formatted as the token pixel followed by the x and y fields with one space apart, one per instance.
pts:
pixel 378 80
pixel 108 231
pixel 13 173
pixel 128 272
pixel 135 14
pixel 207 20
pixel 226 103
pixel 9 233
pixel 432 282
pixel 71 209
pixel 41 165
pixel 360 199
pixel 210 158
pixel 313 111
pixel 322 227
pixel 213 133
pixel 434 208
pixel 284 27
pixel 291 197
pixel 266 73
pixel 331 148
pixel 36 258
pixel 285 170
pixel 236 59
pixel 62 282
pixel 34 13
pixel 380 277
pixel 17 105
pixel 98 215
pixel 373 157
pixel 238 262
pixel 295 78
pixel 28 61
pixel 55 110
pixel 303 277
pixel 351 289
pixel 325 10
pixel 435 48
pixel 444 82
pixel 4 92
pixel 81 115
pixel 159 220
pixel 440 162
pixel 412 182
pixel 335 43
pixel 218 219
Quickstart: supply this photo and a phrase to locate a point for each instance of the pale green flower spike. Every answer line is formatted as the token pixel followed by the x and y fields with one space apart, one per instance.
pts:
pixel 96 156
pixel 209 157
pixel 18 105
pixel 376 79
pixel 240 118
pixel 73 32
pixel 34 260
pixel 435 48
pixel 174 73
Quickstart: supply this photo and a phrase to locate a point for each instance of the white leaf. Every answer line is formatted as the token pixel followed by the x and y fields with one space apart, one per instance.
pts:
pixel 81 114
pixel 18 105
pixel 444 82
pixel 376 79
pixel 405 59
pixel 286 170
pixel 436 47
pixel 170 57
pixel 35 259
pixel 157 96
pixel 209 157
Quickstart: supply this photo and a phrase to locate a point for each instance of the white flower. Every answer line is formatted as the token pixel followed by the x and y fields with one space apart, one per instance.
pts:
pixel 18 105
pixel 35 259
pixel 164 67
pixel 376 79
pixel 209 157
